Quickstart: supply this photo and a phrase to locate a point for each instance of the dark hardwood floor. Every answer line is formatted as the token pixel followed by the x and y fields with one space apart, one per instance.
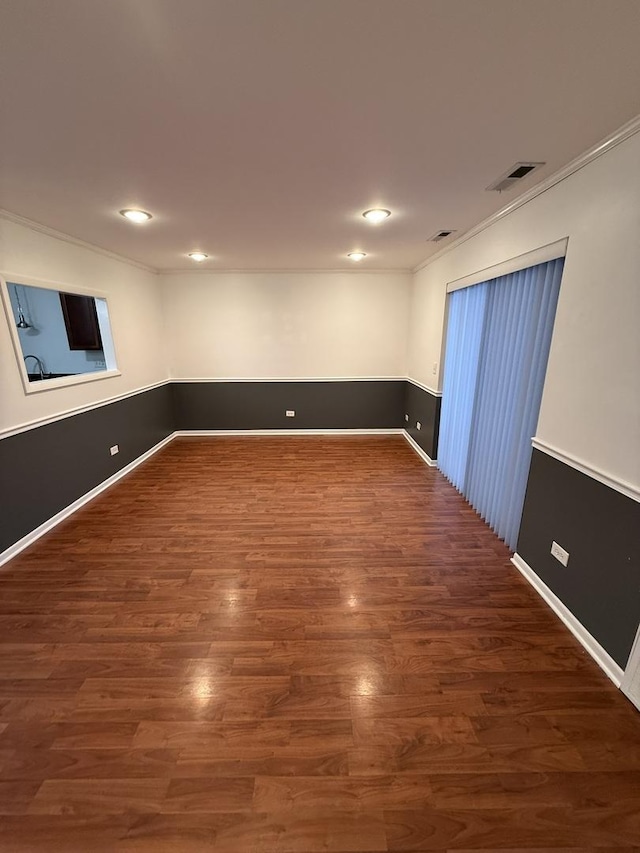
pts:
pixel 298 644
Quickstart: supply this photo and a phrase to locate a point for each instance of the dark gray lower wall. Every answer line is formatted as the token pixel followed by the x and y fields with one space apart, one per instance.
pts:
pixel 423 408
pixel 46 468
pixel 372 404
pixel 599 527
pixel 49 467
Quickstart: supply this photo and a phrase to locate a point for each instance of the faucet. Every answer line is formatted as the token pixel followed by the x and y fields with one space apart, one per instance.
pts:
pixel 39 364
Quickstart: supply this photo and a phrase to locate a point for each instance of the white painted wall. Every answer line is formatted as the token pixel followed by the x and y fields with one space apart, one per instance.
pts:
pixel 263 325
pixel 224 325
pixel 591 402
pixel 134 308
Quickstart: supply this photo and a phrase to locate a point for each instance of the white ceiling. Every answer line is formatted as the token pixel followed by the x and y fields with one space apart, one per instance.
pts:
pixel 258 130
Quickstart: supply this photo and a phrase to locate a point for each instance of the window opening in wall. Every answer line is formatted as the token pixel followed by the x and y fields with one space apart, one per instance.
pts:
pixel 60 337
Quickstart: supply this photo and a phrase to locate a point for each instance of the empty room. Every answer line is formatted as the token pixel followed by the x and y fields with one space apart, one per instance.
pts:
pixel 319 426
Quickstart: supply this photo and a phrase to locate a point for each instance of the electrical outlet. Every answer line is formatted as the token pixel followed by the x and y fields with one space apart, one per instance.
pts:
pixel 115 449
pixel 418 425
pixel 406 417
pixel 559 553
pixel 290 413
pixel 434 369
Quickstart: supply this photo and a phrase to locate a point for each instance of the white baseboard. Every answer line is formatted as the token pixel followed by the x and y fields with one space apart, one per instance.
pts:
pixel 414 444
pixel 48 525
pixel 631 682
pixel 600 656
pixel 300 379
pixel 295 432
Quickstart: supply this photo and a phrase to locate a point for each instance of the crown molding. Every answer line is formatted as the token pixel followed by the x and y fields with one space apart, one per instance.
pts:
pixel 621 135
pixel 74 241
pixel 293 271
pixel 607 144
pixel 107 253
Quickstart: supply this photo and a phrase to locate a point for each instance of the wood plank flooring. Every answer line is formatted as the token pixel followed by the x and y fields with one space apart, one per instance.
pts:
pixel 298 644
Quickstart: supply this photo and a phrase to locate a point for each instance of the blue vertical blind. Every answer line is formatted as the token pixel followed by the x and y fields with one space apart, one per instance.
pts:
pixel 498 340
pixel 466 312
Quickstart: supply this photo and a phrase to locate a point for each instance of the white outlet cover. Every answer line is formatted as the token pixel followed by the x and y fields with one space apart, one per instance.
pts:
pixel 290 413
pixel 418 425
pixel 115 449
pixel 406 417
pixel 559 553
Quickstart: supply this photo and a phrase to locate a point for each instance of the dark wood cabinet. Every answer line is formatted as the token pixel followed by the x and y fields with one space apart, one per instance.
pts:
pixel 81 321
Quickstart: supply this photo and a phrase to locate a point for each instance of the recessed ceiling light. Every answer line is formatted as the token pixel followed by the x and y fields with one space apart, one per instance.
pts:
pixel 198 256
pixel 376 215
pixel 136 216
pixel 356 256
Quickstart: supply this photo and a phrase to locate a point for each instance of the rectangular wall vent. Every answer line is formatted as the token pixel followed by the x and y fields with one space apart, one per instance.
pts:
pixel 441 235
pixel 516 173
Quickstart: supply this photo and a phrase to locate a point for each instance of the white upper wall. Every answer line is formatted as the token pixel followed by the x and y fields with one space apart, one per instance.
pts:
pixel 591 403
pixel 268 325
pixel 225 325
pixel 134 310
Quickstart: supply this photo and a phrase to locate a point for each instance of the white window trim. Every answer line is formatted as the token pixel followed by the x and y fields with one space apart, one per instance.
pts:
pixel 63 381
pixel 529 259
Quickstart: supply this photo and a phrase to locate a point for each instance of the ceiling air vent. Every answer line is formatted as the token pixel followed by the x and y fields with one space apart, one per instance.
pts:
pixel 441 235
pixel 516 173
